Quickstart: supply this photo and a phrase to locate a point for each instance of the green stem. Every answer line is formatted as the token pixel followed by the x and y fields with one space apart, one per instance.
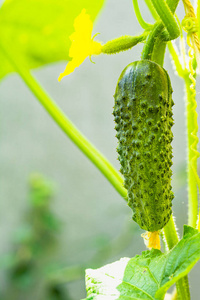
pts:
pixel 192 154
pixel 152 9
pixel 65 124
pixel 167 18
pixel 172 4
pixel 148 48
pixel 141 21
pixel 159 51
pixel 192 140
pixel 183 290
pixel 191 159
pixel 172 239
pixel 154 43
pixel 181 72
pixel 171 234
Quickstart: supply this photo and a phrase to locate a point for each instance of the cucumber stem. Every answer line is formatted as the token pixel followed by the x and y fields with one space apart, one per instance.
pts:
pixel 154 47
pixel 141 21
pixel 149 46
pixel 64 123
pixel 152 9
pixel 192 141
pixel 192 126
pixel 170 232
pixel 172 239
pixel 167 18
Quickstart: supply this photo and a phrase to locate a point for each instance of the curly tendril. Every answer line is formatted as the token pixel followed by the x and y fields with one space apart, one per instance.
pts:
pixel 194 144
pixel 190 24
pixel 193 109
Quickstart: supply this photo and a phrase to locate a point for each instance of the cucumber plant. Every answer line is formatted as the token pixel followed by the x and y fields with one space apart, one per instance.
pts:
pixel 143 116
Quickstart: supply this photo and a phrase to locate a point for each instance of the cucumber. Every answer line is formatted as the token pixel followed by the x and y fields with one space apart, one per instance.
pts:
pixel 143 116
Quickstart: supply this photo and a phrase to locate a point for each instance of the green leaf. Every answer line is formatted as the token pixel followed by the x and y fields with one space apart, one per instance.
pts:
pixel 147 276
pixel 189 231
pixel 39 29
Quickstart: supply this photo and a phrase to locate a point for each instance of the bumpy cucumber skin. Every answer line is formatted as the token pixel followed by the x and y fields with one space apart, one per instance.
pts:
pixel 143 116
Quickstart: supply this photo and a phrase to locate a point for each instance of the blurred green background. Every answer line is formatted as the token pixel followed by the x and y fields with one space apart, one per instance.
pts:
pixel 69 218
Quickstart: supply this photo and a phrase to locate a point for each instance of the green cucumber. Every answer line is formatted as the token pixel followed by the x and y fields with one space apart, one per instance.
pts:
pixel 143 116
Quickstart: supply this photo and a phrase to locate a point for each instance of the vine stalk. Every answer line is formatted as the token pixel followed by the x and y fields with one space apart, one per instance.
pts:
pixel 65 124
pixel 192 164
pixel 141 21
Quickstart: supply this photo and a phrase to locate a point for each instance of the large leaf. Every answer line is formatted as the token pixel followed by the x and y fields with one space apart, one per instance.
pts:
pixel 147 276
pixel 39 29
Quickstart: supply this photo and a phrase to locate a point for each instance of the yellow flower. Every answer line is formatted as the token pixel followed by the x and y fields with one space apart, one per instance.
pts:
pixel 151 239
pixel 83 44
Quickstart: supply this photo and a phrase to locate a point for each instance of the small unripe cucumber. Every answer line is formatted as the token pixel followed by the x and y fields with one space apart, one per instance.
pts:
pixel 143 116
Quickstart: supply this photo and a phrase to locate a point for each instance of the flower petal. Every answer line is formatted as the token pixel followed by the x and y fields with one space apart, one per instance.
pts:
pixel 83 25
pixel 82 45
pixel 74 63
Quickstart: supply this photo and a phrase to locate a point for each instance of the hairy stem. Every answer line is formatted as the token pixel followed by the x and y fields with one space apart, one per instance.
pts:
pixel 192 140
pixel 191 156
pixel 183 290
pixel 148 48
pixel 152 9
pixel 173 52
pixel 172 4
pixel 65 124
pixel 167 18
pixel 159 51
pixel 171 236
pixel 155 45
